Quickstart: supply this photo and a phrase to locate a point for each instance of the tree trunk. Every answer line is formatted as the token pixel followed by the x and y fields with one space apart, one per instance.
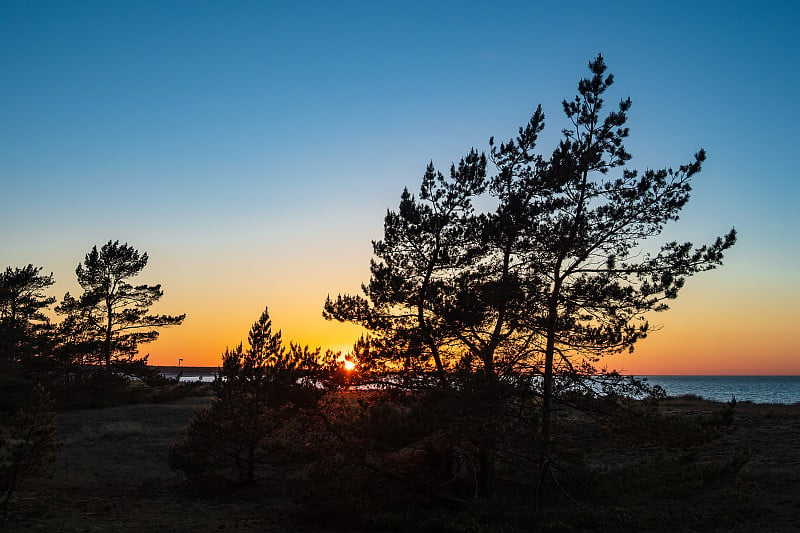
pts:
pixel 429 340
pixel 251 465
pixel 487 448
pixel 437 358
pixel 107 351
pixel 494 341
pixel 487 458
pixel 109 333
pixel 547 384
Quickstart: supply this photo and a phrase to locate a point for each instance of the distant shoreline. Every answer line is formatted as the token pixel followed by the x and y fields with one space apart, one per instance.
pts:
pixel 166 369
pixel 187 369
pixel 777 389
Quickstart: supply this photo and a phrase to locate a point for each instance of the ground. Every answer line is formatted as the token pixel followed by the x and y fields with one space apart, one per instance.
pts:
pixel 112 475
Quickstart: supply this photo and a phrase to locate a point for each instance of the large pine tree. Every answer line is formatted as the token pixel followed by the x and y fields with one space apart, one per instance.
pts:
pixel 557 275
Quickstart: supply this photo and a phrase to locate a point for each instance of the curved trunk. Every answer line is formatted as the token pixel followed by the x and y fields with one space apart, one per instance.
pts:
pixel 552 323
pixel 547 383
pixel 494 341
pixel 429 340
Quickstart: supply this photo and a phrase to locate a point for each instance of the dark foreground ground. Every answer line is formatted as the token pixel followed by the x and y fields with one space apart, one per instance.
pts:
pixel 112 475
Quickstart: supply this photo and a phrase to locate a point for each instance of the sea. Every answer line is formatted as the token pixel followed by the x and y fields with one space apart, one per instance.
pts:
pixel 756 389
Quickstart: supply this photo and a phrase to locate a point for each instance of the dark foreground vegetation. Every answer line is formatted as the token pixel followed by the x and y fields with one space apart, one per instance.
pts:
pixel 112 474
pixel 475 402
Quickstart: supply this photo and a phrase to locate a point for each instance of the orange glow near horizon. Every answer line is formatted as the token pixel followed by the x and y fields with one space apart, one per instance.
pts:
pixel 712 330
pixel 684 344
pixel 709 330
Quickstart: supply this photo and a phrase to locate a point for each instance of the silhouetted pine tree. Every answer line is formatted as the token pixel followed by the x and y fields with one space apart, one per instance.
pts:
pixel 556 276
pixel 259 392
pixel 111 310
pixel 24 327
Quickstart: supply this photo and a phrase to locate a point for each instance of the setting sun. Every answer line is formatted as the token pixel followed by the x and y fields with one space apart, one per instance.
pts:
pixel 349 365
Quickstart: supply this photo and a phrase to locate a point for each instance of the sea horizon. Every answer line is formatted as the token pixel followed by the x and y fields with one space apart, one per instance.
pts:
pixel 756 388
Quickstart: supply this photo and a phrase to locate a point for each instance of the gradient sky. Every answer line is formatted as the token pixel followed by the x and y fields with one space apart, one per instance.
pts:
pixel 252 148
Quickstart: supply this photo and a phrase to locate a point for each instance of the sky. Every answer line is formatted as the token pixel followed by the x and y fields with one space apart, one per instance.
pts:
pixel 253 148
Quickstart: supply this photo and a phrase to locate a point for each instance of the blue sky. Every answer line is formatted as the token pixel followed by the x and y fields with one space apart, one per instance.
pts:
pixel 252 148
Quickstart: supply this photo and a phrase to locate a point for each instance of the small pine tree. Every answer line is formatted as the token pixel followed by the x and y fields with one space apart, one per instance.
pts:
pixel 259 391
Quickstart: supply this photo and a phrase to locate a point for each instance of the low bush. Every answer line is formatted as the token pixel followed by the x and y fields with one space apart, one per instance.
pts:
pixel 27 445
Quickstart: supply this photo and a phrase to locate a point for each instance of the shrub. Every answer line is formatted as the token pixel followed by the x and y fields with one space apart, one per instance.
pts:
pixel 27 446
